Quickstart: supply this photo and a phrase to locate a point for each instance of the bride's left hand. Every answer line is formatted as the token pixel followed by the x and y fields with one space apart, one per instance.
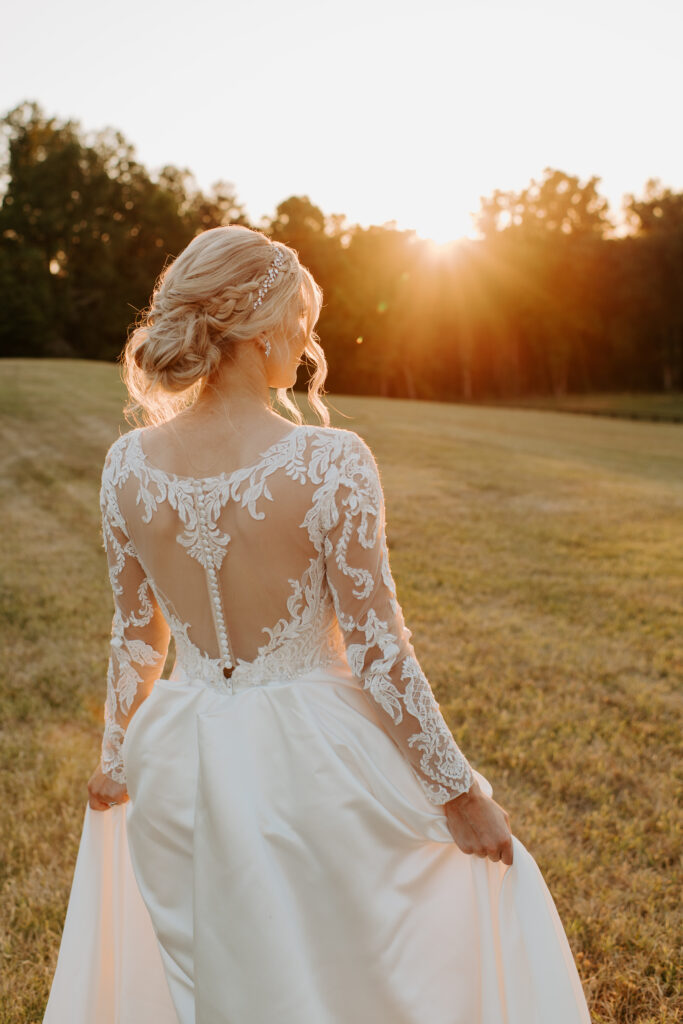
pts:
pixel 103 791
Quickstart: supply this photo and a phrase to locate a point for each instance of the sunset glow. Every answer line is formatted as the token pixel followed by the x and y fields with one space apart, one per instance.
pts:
pixel 383 111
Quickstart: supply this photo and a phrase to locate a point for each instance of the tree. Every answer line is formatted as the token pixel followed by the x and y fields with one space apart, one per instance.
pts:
pixel 540 241
pixel 657 223
pixel 96 229
pixel 558 204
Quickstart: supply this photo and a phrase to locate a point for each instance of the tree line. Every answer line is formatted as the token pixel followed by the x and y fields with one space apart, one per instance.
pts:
pixel 549 299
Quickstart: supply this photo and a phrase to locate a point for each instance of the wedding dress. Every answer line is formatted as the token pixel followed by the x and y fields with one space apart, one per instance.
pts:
pixel 284 857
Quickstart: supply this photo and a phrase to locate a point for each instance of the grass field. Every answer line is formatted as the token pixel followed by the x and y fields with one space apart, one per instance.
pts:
pixel 628 405
pixel 539 560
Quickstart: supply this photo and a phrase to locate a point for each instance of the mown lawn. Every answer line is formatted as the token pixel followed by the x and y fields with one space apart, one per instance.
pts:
pixel 539 559
pixel 630 405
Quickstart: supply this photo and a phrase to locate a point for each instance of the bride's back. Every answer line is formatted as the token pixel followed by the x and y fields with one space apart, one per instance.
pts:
pixel 236 560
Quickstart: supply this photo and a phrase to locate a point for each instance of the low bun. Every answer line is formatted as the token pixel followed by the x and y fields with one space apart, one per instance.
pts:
pixel 177 350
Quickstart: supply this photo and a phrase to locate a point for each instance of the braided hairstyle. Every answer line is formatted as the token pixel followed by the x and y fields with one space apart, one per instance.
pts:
pixel 202 307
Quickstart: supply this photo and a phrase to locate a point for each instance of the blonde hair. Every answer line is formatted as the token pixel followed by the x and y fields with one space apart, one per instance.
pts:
pixel 202 306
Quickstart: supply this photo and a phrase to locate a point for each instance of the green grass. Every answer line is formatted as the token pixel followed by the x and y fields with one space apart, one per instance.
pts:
pixel 539 563
pixel 627 405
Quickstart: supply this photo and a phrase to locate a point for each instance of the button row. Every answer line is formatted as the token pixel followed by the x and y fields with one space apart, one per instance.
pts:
pixel 214 589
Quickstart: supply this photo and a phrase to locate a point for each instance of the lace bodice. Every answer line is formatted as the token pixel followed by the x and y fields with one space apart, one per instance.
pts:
pixel 264 573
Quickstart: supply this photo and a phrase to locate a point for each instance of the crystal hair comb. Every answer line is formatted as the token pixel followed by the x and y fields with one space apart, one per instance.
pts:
pixel 276 265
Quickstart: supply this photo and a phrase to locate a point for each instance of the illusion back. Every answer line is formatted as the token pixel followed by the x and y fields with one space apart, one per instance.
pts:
pixel 230 572
pixel 264 573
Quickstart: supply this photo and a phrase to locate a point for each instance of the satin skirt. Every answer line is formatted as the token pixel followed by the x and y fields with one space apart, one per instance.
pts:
pixel 278 861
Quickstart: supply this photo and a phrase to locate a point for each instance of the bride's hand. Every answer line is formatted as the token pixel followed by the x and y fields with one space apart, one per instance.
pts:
pixel 479 825
pixel 103 791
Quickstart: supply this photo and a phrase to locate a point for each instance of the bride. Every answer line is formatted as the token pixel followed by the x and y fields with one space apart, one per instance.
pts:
pixel 292 833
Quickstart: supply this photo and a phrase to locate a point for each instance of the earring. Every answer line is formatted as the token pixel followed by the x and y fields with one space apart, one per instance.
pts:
pixel 267 348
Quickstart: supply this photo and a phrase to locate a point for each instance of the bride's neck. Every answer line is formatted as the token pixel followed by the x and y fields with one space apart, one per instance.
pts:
pixel 237 395
pixel 238 392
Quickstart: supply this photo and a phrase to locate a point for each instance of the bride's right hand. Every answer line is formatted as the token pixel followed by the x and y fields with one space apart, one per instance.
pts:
pixel 479 825
pixel 103 792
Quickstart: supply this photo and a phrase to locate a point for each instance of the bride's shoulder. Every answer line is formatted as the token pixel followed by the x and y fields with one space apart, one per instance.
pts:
pixel 344 454
pixel 117 451
pixel 340 439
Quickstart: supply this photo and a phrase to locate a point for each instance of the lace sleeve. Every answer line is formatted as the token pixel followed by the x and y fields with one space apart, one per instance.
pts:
pixel 377 640
pixel 139 633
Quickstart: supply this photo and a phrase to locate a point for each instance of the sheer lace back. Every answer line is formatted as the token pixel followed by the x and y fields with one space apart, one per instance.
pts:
pixel 261 573
pixel 231 579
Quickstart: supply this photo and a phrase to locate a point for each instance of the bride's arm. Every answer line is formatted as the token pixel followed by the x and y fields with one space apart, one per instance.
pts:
pixel 139 634
pixel 377 640
pixel 380 654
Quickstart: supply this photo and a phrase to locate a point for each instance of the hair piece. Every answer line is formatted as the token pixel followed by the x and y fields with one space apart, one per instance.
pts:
pixel 204 304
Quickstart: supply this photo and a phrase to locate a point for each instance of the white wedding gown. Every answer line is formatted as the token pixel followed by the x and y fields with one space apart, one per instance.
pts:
pixel 284 857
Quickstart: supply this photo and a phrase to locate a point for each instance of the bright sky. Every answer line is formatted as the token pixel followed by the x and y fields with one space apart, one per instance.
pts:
pixel 378 109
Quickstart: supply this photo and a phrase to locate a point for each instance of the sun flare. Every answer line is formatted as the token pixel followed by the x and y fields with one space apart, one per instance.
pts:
pixel 443 229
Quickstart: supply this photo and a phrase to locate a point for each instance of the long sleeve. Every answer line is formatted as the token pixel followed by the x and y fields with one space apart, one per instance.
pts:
pixel 139 634
pixel 377 640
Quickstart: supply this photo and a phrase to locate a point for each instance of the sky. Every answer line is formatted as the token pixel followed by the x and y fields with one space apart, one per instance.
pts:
pixel 380 110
